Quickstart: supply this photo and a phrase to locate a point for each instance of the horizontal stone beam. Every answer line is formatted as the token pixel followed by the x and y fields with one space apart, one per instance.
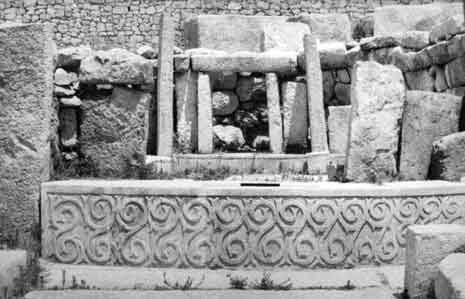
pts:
pixel 265 62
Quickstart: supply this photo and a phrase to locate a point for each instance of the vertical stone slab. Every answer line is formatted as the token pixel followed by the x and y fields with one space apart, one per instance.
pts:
pixel 295 117
pixel 338 128
pixel 275 124
pixel 26 93
pixel 186 108
pixel 316 111
pixel 205 114
pixel 165 130
pixel 378 95
pixel 428 116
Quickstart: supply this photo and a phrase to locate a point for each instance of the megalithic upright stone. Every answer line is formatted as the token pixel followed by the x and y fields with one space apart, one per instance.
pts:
pixel 26 97
pixel 316 111
pixel 275 123
pixel 165 130
pixel 205 114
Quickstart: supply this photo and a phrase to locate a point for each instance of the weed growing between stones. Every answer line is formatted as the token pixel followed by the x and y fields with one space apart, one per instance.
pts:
pixel 237 282
pixel 184 286
pixel 266 283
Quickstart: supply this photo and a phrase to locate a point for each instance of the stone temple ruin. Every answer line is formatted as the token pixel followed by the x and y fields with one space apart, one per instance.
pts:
pixel 266 153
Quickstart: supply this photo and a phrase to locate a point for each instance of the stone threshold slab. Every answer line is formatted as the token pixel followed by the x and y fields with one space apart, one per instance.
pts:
pixel 186 187
pixel 379 293
pixel 128 278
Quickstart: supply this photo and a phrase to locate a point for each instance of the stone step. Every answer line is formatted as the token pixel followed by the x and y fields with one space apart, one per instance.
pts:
pixel 61 276
pixel 378 293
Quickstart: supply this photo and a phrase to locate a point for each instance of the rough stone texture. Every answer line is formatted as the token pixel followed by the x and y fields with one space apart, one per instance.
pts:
pixel 450 279
pixel 116 66
pixel 327 26
pixel 378 95
pixel 267 62
pixel 224 103
pixel 316 113
pixel 114 130
pixel 204 114
pixel 295 114
pixel 10 261
pixel 419 80
pixel 284 37
pixel 26 93
pixel 427 117
pixel 68 127
pixel 182 62
pixel 338 128
pixel 218 217
pixel 455 72
pixel 223 80
pixel 448 28
pixel 427 246
pixel 328 86
pixel 186 110
pixel 332 55
pixel 275 123
pixel 342 93
pixel 165 113
pixel 147 52
pixel 228 136
pixel 440 81
pixel 401 18
pixel 71 57
pixel 250 88
pixel 63 78
pixel 70 102
pixel 415 40
pixel 448 157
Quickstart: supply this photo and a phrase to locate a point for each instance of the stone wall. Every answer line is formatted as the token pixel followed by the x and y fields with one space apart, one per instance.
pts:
pixel 127 24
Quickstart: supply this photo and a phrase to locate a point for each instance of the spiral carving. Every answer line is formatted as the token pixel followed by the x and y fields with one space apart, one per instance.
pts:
pixel 236 232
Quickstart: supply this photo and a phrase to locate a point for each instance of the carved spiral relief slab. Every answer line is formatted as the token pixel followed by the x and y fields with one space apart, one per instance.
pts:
pixel 236 232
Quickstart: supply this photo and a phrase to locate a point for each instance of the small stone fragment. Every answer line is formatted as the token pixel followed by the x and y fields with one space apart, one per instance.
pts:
pixel 224 103
pixel 147 52
pixel 68 127
pixel 71 57
pixel 342 92
pixel 448 158
pixel 61 91
pixel 229 137
pixel 63 78
pixel 71 102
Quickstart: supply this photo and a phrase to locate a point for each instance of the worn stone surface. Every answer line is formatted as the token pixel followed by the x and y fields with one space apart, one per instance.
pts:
pixel 295 114
pixel 181 62
pixel 206 215
pixel 449 282
pixel 448 28
pixel 316 114
pixel 427 117
pixel 440 81
pixel 343 76
pixel 64 78
pixel 116 66
pixel 114 130
pixel 26 93
pixel 70 102
pixel 378 42
pixel 68 127
pixel 427 246
pixel 414 39
pixel 338 128
pixel 71 57
pixel 165 78
pixel 448 157
pixel 284 37
pixel 223 80
pixel 267 62
pixel 250 88
pixel 342 93
pixel 378 95
pixel 61 91
pixel 327 26
pixel 419 80
pixel 332 55
pixel 10 261
pixel 147 51
pixel 186 110
pixel 455 72
pixel 204 114
pixel 228 137
pixel 224 103
pixel 400 18
pixel 275 123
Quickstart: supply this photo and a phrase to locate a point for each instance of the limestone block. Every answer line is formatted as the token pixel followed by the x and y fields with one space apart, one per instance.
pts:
pixel 440 53
pixel 64 78
pixel 251 88
pixel 448 28
pixel 378 95
pixel 114 129
pixel 223 80
pixel 165 115
pixel 186 110
pixel 338 128
pixel 448 157
pixel 229 33
pixel 427 246
pixel 181 62
pixel 456 45
pixel 400 18
pixel 332 55
pixel 116 66
pixel 427 117
pixel 284 37
pixel 328 26
pixel 414 39
pixel 343 76
pixel 450 279
pixel 378 42
pixel 419 80
pixel 61 91
pixel 316 113
pixel 205 114
pixel 275 125
pixel 229 137
pixel 71 57
pixel 70 102
pixel 295 114
pixel 328 86
pixel 10 261
pixel 440 81
pixel 267 62
pixel 224 103
pixel 410 61
pixel 342 92
pixel 26 92
pixel 68 127
pixel 147 52
pixel 455 72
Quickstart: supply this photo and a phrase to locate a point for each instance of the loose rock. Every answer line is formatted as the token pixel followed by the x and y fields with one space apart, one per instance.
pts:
pixel 224 103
